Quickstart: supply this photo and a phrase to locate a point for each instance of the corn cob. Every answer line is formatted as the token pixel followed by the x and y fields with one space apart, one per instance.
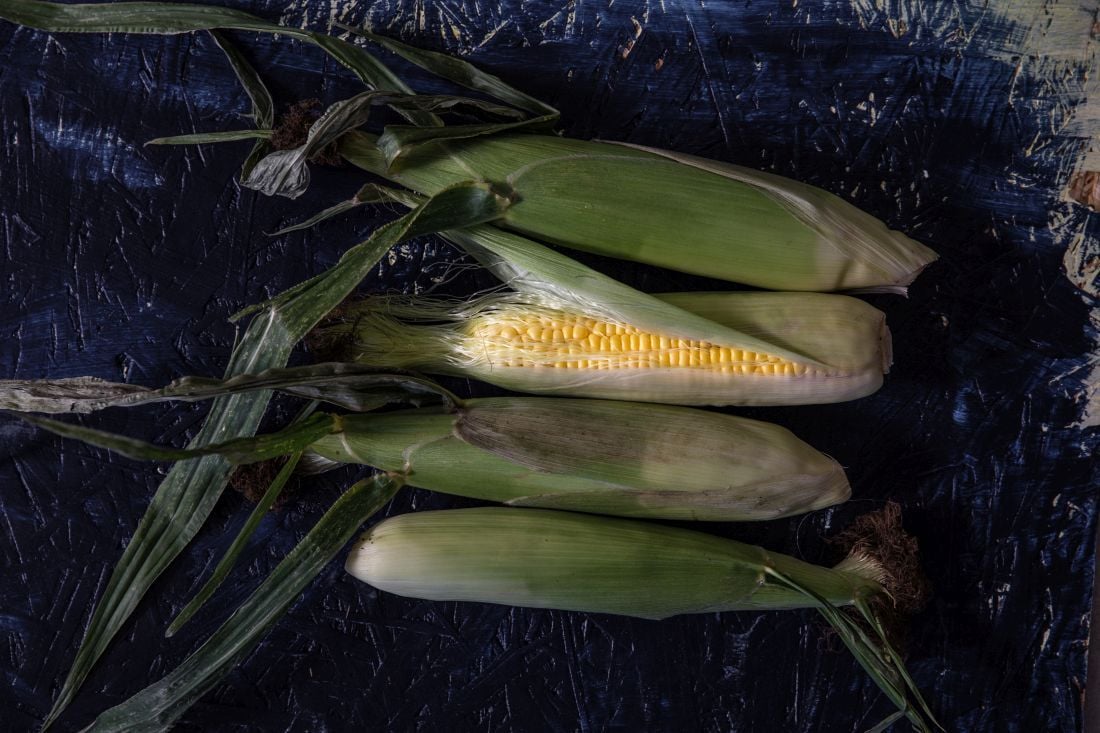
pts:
pixel 807 347
pixel 666 209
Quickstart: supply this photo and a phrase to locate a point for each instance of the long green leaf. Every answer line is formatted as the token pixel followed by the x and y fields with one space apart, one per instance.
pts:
pixel 221 571
pixel 335 210
pixel 263 106
pixel 460 72
pixel 237 451
pixel 351 386
pixel 132 17
pixel 876 656
pixel 455 104
pixel 472 203
pixel 180 507
pixel 229 559
pixel 370 193
pixel 201 138
pixel 373 73
pixel 156 707
pixel 188 494
pixel 172 18
pixel 398 140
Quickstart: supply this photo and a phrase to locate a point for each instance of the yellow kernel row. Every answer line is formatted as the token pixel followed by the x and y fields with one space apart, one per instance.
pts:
pixel 571 342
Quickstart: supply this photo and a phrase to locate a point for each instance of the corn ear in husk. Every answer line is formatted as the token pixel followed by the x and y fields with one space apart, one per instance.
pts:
pixel 546 559
pixel 597 456
pixel 561 560
pixel 628 459
pixel 667 209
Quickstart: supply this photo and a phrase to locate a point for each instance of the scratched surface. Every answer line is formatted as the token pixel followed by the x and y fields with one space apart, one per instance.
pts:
pixel 960 123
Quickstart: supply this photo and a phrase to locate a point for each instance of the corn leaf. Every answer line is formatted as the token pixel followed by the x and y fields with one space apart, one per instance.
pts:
pixel 263 107
pixel 372 72
pixel 237 451
pixel 454 104
pixel 351 386
pixel 398 140
pixel 189 492
pixel 361 197
pixel 131 17
pixel 172 18
pixel 458 71
pixel 156 707
pixel 875 655
pixel 371 193
pixel 471 203
pixel 201 138
pixel 221 571
pixel 179 508
pixel 230 558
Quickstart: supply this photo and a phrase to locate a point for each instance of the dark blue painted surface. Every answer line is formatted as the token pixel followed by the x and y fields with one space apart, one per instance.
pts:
pixel 124 262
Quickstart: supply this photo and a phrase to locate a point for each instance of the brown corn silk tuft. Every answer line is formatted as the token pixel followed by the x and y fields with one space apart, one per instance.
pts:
pixel 879 535
pixel 252 480
pixel 293 129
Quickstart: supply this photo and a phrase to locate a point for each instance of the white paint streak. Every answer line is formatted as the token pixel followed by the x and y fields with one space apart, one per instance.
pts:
pixel 1089 396
pixel 322 16
pixel 1058 48
pixel 914 19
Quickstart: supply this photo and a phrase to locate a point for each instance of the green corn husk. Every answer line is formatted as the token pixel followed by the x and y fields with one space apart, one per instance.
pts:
pixel 541 558
pixel 667 209
pixel 560 560
pixel 622 458
pixel 801 348
pixel 597 456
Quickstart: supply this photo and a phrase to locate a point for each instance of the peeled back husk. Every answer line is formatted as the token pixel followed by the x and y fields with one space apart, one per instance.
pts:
pixel 667 209
pixel 797 348
pixel 597 456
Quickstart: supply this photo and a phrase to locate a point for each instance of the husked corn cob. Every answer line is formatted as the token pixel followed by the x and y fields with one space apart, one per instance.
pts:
pixel 807 347
pixel 666 209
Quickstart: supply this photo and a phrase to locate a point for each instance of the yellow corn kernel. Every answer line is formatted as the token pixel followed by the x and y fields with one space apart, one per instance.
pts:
pixel 530 337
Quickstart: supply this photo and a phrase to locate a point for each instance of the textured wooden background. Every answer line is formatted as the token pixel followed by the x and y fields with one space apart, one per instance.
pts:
pixel 961 123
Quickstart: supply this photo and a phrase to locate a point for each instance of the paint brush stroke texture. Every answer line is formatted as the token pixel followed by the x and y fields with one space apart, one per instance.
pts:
pixel 957 122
